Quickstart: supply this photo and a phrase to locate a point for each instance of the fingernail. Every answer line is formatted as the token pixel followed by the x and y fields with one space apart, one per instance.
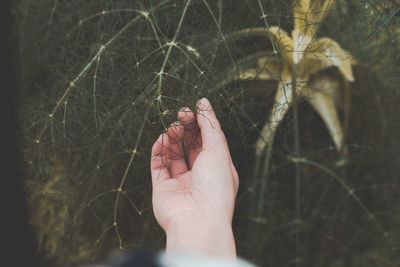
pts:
pixel 184 109
pixel 174 130
pixel 175 124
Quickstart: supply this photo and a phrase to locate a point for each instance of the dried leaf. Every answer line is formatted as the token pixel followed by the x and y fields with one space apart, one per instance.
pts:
pixel 283 100
pixel 324 104
pixel 300 43
pixel 285 43
pixel 326 53
pixel 267 69
pixel 307 20
pixel 280 39
pixel 255 74
pixel 309 16
pixel 300 10
pixel 320 13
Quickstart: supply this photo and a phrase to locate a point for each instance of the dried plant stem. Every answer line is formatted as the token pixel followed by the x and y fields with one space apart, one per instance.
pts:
pixel 296 152
pixel 264 177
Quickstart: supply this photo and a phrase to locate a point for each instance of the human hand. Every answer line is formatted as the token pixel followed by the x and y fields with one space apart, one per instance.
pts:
pixel 194 199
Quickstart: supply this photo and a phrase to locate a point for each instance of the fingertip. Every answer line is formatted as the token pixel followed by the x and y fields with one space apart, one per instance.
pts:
pixel 175 132
pixel 203 105
pixel 206 114
pixel 186 115
pixel 184 110
pixel 205 110
pixel 212 135
pixel 158 166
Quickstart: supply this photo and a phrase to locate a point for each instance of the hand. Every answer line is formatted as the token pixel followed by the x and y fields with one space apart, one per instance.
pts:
pixel 195 183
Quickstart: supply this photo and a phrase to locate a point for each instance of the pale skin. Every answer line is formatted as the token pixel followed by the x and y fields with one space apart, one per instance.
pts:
pixel 195 184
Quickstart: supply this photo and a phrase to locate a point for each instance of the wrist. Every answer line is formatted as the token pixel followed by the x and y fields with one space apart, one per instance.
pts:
pixel 205 234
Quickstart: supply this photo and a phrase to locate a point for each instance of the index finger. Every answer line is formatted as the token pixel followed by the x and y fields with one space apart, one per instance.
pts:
pixel 159 160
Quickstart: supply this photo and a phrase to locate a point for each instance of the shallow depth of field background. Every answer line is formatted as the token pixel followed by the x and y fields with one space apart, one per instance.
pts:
pixel 100 80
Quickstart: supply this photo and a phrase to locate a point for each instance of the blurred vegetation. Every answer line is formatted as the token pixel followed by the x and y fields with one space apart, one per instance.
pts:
pixel 100 80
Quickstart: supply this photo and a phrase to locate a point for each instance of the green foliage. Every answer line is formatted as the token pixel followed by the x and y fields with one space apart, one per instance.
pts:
pixel 100 80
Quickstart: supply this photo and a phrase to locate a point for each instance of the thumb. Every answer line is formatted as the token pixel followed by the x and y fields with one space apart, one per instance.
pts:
pixel 212 136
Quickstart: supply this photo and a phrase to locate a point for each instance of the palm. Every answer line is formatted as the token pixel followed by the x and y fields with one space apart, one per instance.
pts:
pixel 169 196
